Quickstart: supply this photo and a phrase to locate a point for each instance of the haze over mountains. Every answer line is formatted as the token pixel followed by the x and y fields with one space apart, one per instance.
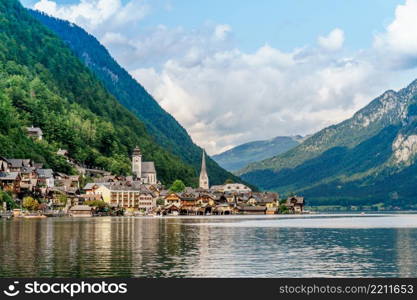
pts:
pixel 368 158
pixel 240 156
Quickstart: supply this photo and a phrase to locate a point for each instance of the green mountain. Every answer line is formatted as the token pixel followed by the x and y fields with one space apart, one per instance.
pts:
pixel 42 83
pixel 242 155
pixel 164 129
pixel 368 158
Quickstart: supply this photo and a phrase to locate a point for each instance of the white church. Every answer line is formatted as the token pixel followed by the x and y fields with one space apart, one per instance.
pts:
pixel 204 180
pixel 143 170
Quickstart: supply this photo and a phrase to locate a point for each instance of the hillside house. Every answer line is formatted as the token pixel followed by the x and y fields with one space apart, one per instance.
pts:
pixel 35 133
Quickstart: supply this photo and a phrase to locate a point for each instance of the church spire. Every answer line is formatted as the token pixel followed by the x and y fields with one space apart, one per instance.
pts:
pixel 204 181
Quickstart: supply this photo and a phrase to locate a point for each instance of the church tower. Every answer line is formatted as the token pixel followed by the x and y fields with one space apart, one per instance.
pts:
pixel 204 180
pixel 137 163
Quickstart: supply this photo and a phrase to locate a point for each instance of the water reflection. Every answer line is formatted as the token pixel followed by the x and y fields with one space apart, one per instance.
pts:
pixel 204 247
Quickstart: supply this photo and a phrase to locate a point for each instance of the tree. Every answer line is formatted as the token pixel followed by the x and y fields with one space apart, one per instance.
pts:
pixel 283 209
pixel 63 199
pixel 228 181
pixel 177 187
pixel 30 204
pixel 7 198
pixel 96 203
pixel 160 201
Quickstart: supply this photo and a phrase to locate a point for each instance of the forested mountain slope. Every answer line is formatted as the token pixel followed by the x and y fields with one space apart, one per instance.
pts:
pixel 42 83
pixel 242 155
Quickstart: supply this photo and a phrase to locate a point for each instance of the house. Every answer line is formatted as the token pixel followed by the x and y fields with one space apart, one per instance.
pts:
pixel 223 209
pixel 4 165
pixel 67 183
pixel 205 198
pixel 81 211
pixel 10 181
pixel 172 198
pixel 236 188
pixel 172 209
pixel 62 152
pixel 217 188
pixel 35 133
pixel 270 200
pixel 16 165
pixel 295 204
pixel 90 197
pixel 29 179
pixel 46 178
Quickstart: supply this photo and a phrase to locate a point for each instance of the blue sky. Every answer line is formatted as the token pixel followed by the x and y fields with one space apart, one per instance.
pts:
pixel 281 23
pixel 236 71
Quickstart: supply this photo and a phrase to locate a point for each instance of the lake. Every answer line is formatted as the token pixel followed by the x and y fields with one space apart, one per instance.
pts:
pixel 339 245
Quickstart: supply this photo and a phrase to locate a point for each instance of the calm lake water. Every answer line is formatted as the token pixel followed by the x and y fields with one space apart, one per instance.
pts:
pixel 265 246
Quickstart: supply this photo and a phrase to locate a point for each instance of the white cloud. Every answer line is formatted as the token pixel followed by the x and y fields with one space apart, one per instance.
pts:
pixel 333 41
pixel 221 31
pixel 224 96
pixel 398 43
pixel 229 97
pixel 91 14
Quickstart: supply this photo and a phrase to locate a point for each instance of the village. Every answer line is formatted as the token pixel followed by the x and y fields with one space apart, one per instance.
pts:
pixel 36 192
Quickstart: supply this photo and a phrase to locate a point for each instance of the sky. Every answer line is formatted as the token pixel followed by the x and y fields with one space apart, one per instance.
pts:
pixel 236 71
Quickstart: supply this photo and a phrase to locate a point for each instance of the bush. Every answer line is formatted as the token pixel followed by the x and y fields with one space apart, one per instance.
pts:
pixel 30 204
pixel 7 198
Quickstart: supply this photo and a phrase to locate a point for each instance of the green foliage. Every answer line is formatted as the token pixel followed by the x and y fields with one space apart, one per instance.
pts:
pixel 7 198
pixel 160 201
pixel 177 187
pixel 96 203
pixel 30 204
pixel 63 199
pixel 42 83
pixel 283 209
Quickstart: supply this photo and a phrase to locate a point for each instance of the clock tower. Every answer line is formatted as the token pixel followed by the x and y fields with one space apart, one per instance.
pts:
pixel 137 163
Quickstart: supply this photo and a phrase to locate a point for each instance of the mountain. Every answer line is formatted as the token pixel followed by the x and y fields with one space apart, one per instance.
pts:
pixel 368 158
pixel 164 129
pixel 242 155
pixel 42 83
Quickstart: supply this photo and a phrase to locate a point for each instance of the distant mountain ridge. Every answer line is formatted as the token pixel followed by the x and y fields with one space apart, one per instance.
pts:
pixel 240 156
pixel 370 157
pixel 165 130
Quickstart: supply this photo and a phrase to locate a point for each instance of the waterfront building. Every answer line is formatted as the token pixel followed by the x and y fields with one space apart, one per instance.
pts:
pixel 129 195
pixel 10 182
pixel 172 198
pixel 295 204
pixel 81 211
